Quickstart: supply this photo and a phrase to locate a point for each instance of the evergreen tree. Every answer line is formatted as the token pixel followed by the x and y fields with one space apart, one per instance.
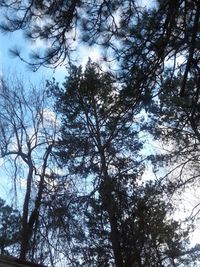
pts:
pixel 126 223
pixel 10 227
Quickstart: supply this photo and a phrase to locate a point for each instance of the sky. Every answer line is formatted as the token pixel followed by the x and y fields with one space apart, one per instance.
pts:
pixel 13 65
pixel 9 64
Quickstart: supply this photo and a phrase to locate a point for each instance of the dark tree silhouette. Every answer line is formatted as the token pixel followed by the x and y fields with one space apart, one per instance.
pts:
pixel 10 227
pixel 27 137
pixel 126 223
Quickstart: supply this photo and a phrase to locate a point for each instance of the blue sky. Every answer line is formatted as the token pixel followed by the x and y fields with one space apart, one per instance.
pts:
pixel 10 64
pixel 13 65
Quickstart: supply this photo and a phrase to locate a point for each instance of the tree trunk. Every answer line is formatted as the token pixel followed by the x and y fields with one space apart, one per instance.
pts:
pixel 25 227
pixel 114 235
pixel 106 192
pixel 28 224
pixel 110 207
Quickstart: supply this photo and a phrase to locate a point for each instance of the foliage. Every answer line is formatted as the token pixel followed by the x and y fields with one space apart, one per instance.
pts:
pixel 10 228
pixel 141 38
pixel 99 145
pixel 58 23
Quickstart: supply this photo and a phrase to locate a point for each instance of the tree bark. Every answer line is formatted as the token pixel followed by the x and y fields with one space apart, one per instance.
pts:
pixel 25 227
pixel 110 207
pixel 28 224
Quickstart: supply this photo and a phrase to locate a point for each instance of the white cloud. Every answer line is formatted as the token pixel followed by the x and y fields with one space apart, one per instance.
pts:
pixel 85 52
pixel 38 44
pixel 147 3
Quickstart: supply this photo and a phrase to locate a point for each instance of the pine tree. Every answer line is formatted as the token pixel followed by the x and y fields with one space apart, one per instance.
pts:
pixel 10 227
pixel 126 221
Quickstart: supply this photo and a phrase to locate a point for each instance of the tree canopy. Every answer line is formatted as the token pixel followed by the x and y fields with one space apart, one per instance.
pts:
pixel 9 229
pixel 100 145
pixel 87 197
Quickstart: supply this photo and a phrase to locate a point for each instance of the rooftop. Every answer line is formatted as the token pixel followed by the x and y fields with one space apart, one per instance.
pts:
pixel 7 261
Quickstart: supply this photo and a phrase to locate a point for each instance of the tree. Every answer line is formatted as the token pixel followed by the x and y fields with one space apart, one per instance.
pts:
pixel 174 48
pixel 9 229
pixel 27 136
pixel 161 49
pixel 99 145
pixel 60 27
pixel 175 123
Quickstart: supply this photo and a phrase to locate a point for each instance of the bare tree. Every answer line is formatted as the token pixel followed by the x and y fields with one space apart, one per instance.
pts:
pixel 27 136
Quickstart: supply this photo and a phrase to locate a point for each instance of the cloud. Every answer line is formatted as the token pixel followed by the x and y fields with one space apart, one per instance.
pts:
pixel 39 44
